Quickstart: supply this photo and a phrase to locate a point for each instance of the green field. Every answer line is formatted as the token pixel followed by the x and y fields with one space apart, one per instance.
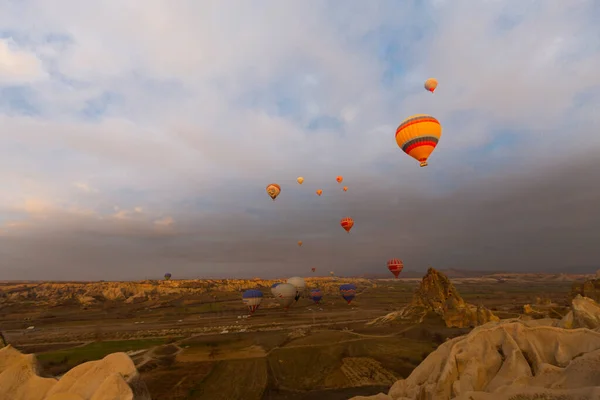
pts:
pixel 61 361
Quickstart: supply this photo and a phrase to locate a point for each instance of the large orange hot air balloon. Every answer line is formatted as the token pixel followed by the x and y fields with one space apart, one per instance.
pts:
pixel 431 84
pixel 395 266
pixel 273 190
pixel 339 179
pixel 345 188
pixel 299 242
pixel 300 180
pixel 319 192
pixel 418 135
pixel 347 223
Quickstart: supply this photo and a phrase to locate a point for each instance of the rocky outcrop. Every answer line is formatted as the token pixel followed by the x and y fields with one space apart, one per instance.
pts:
pixel 437 295
pixel 112 378
pixel 589 288
pixel 501 360
pixel 585 313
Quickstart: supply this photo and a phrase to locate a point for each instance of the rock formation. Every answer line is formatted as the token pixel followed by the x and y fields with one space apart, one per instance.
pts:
pixel 589 288
pixel 503 359
pixel 513 359
pixel 88 294
pixel 112 378
pixel 585 313
pixel 437 295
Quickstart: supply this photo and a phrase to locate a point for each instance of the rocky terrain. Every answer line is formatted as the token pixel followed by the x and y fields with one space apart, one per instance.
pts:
pixel 112 378
pixel 437 296
pixel 513 359
pixel 589 288
pixel 94 293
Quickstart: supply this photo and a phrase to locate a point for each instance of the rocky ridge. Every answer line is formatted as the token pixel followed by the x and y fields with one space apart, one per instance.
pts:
pixel 91 293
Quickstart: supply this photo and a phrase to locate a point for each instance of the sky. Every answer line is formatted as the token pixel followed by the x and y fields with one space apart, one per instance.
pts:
pixel 137 138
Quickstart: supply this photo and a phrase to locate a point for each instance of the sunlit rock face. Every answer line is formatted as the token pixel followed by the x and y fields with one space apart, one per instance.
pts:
pixel 112 378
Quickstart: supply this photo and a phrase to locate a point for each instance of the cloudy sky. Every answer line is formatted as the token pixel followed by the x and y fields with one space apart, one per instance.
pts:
pixel 138 137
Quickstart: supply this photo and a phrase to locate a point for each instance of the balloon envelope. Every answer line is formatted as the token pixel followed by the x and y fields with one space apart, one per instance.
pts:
pixel 319 192
pixel 348 291
pixel 300 180
pixel 286 294
pixel 339 179
pixel 395 266
pixel 299 242
pixel 252 298
pixel 347 223
pixel 345 188
pixel 431 84
pixel 299 284
pixel 273 190
pixel 274 288
pixel 418 135
pixel 167 276
pixel 316 295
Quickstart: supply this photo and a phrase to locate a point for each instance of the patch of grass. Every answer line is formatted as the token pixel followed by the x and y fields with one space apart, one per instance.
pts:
pixel 57 362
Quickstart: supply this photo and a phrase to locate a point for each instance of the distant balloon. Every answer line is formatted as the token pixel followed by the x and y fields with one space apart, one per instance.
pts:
pixel 418 135
pixel 319 192
pixel 431 84
pixel 316 295
pixel 300 180
pixel 313 269
pixel 299 284
pixel 345 188
pixel 395 266
pixel 339 179
pixel 167 276
pixel 348 291
pixel 299 242
pixel 273 190
pixel 252 298
pixel 331 273
pixel 286 294
pixel 347 223
pixel 274 288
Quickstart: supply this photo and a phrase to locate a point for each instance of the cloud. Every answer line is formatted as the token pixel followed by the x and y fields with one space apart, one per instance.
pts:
pixel 18 66
pixel 183 128
pixel 84 187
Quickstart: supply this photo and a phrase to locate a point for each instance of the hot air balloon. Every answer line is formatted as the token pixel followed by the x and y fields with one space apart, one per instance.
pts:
pixel 316 295
pixel 345 188
pixel 395 266
pixel 274 288
pixel 286 293
pixel 319 192
pixel 331 273
pixel 339 179
pixel 167 276
pixel 273 190
pixel 348 291
pixel 299 284
pixel 347 223
pixel 418 135
pixel 300 180
pixel 252 299
pixel 313 269
pixel 299 242
pixel 431 84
